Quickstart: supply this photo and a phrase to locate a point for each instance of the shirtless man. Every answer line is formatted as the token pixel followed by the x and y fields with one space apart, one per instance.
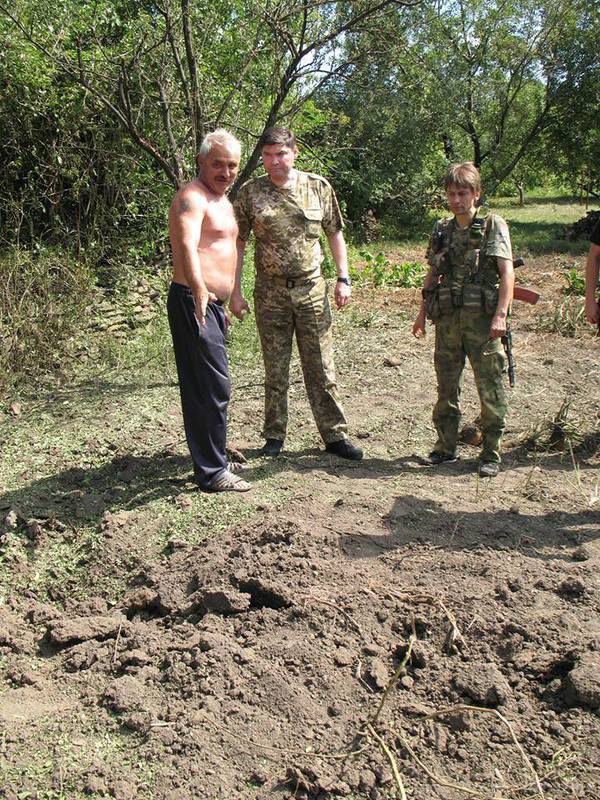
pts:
pixel 203 235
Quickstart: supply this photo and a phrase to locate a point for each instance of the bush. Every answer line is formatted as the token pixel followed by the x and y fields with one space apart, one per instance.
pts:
pixel 380 271
pixel 43 300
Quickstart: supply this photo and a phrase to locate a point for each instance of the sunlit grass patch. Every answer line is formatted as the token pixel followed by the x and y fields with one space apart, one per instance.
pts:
pixel 539 226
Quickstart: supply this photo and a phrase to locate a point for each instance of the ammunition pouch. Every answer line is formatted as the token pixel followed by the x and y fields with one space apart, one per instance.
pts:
pixel 472 297
pixel 432 303
pixel 445 299
pixel 480 298
pixel 490 299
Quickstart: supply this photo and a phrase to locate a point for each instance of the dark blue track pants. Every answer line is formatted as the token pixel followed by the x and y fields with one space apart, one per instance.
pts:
pixel 203 380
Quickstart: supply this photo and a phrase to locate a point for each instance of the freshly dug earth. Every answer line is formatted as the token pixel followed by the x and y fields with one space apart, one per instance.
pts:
pixel 369 626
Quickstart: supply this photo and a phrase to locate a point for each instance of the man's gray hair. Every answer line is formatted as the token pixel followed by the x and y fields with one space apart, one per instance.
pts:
pixel 219 136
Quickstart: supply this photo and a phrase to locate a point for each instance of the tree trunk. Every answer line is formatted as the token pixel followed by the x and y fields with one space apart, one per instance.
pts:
pixel 521 190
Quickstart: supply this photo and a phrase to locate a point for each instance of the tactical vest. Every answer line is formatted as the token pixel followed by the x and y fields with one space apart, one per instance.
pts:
pixel 468 278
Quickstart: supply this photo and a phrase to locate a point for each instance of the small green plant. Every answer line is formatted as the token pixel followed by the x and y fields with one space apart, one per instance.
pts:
pixel 379 271
pixel 575 282
pixel 558 433
pixel 566 319
pixel 409 274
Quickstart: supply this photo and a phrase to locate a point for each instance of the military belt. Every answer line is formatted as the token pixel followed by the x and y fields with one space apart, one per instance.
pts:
pixel 291 283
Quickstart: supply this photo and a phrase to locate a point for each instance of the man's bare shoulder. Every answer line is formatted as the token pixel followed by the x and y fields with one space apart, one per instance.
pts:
pixel 190 199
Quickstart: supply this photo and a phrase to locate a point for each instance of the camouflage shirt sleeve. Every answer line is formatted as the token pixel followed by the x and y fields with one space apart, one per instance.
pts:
pixel 242 210
pixel 498 238
pixel 430 252
pixel 434 247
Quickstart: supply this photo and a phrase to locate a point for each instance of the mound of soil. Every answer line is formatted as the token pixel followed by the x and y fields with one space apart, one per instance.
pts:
pixel 257 666
pixel 582 229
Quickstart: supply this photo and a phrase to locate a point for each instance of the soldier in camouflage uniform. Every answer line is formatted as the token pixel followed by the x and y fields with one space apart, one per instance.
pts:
pixel 286 210
pixel 467 295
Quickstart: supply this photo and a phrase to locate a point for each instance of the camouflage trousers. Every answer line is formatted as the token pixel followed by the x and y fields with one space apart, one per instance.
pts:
pixel 461 334
pixel 305 311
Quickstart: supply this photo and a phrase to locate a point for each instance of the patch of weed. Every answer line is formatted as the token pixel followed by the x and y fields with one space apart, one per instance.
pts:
pixel 43 298
pixel 55 765
pixel 575 280
pixel 566 319
pixel 559 433
pixel 379 271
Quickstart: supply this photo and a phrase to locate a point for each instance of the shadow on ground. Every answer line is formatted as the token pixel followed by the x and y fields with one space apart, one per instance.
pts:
pixel 79 495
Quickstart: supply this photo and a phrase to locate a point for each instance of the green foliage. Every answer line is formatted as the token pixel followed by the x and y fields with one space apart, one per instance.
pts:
pixel 567 319
pixel 575 281
pixel 379 271
pixel 44 300
pixel 492 82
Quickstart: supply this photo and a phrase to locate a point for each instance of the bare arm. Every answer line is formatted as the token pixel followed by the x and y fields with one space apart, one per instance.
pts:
pixel 339 252
pixel 237 302
pixel 592 269
pixel 505 294
pixel 418 328
pixel 185 229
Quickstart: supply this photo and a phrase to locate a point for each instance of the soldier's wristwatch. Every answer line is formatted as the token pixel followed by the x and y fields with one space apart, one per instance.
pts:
pixel 347 281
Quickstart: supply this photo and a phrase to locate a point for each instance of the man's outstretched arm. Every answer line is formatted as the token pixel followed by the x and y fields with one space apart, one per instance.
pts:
pixel 237 302
pixel 337 244
pixel 505 295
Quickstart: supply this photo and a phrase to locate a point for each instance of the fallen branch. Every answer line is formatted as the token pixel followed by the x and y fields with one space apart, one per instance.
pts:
pixel 454 641
pixel 442 781
pixel 337 755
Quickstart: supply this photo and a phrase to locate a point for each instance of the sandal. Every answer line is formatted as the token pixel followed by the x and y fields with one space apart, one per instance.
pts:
pixel 236 466
pixel 228 482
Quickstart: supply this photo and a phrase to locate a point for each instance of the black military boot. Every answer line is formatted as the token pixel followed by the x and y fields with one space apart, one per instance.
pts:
pixel 272 448
pixel 345 449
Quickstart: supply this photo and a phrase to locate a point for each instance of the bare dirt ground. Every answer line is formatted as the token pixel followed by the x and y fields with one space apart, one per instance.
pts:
pixel 361 630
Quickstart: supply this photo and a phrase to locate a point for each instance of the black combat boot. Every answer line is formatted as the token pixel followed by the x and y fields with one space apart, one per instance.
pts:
pixel 272 448
pixel 345 449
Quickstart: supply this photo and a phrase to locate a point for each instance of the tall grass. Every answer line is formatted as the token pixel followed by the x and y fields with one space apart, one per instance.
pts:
pixel 45 298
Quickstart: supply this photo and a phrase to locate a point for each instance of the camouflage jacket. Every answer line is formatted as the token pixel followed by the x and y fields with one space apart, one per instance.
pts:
pixel 287 223
pixel 460 255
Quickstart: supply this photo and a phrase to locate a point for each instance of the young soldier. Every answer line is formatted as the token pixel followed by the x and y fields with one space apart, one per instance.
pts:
pixel 467 294
pixel 203 235
pixel 287 209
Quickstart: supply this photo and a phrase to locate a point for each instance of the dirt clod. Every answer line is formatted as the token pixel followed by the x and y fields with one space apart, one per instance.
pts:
pixel 571 587
pixel 583 682
pixel 125 694
pixel 64 632
pixel 483 683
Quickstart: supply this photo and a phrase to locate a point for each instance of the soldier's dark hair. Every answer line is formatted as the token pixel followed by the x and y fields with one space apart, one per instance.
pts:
pixel 466 175
pixel 281 136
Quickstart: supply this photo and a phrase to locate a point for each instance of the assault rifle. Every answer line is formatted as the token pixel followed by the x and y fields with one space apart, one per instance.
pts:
pixel 526 296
